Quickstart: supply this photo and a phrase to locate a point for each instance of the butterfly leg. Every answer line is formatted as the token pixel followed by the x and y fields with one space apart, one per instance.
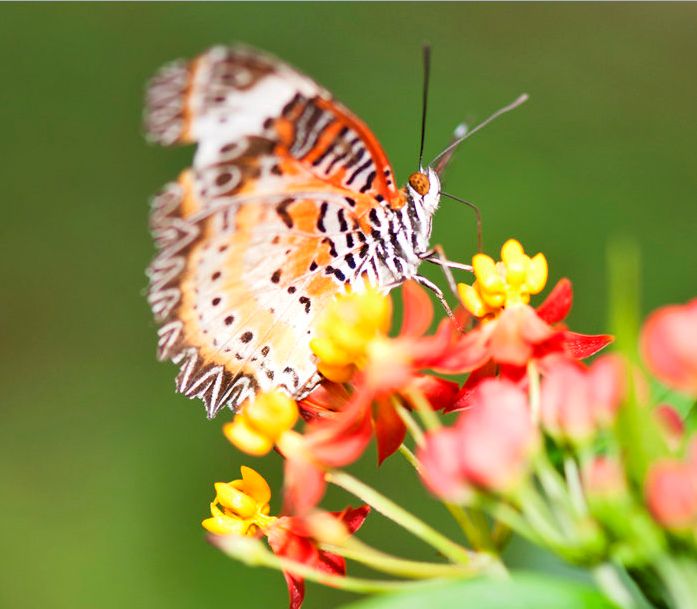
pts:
pixel 427 283
pixel 437 256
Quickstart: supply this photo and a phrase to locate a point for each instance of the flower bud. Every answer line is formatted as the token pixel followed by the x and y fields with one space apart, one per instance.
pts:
pixel 489 449
pixel 669 345
pixel 671 494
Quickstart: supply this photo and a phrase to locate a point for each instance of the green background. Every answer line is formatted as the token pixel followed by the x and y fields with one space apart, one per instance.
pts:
pixel 105 471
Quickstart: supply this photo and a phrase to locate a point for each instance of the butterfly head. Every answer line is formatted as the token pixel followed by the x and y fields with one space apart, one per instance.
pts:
pixel 423 189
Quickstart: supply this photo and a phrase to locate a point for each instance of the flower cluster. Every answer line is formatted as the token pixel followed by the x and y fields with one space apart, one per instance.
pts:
pixel 578 456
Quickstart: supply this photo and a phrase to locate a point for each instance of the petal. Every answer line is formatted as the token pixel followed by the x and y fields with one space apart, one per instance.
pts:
pixel 469 352
pixel 303 486
pixel 296 590
pixel 389 430
pixel 353 518
pixel 418 310
pixel 558 303
pixel 440 393
pixel 669 345
pixel 581 346
pixel 255 485
pixel 441 471
pixel 464 396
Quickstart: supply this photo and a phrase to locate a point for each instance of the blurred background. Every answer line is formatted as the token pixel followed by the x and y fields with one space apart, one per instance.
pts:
pixel 106 472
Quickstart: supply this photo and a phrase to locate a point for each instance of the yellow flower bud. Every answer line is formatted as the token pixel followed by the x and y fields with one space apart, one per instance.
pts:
pixel 471 300
pixel 346 330
pixel 510 250
pixel 245 437
pixel 229 497
pixel 272 413
pixel 537 274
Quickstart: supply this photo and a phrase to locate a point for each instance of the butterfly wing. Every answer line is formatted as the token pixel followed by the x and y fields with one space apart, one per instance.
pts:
pixel 271 222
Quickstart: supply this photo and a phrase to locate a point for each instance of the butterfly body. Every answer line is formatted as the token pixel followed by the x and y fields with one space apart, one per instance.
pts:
pixel 289 202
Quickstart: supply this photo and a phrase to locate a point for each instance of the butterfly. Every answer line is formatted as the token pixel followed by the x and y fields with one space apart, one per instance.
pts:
pixel 290 201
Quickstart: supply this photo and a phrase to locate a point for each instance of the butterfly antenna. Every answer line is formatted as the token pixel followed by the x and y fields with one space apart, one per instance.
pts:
pixel 424 100
pixel 475 209
pixel 501 111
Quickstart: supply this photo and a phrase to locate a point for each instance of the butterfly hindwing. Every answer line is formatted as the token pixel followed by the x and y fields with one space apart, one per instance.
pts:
pixel 271 222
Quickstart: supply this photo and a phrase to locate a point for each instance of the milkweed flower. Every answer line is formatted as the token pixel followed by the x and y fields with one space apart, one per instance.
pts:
pixel 576 400
pixel 510 336
pixel 671 491
pixel 489 449
pixel 240 507
pixel 298 538
pixel 669 345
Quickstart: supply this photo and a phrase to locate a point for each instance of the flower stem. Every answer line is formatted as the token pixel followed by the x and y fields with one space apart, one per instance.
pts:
pixel 414 430
pixel 472 523
pixel 573 481
pixel 355 549
pixel 428 417
pixel 410 457
pixel 616 588
pixel 252 552
pixel 400 516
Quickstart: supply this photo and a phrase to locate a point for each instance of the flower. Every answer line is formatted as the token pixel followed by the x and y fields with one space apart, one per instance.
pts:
pixel 519 334
pixel 488 449
pixel 576 401
pixel 347 330
pixel 671 491
pixel 260 423
pixel 240 507
pixel 669 345
pixel 299 539
pixel 671 424
pixel 352 342
pixel 604 479
pixel 508 282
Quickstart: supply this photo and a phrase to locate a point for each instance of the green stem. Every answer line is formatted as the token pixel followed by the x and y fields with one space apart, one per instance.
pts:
pixel 255 554
pixel 680 579
pixel 355 549
pixel 412 426
pixel 388 508
pixel 617 588
pixel 410 457
pixel 573 482
pixel 422 406
pixel 472 523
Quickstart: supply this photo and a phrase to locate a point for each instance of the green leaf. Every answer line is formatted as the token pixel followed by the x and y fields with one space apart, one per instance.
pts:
pixel 522 591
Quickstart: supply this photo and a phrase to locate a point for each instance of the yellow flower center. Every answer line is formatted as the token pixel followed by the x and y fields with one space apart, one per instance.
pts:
pixel 347 329
pixel 506 283
pixel 240 507
pixel 260 423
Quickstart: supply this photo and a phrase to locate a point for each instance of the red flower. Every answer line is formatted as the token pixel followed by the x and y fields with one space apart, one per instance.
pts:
pixel 577 400
pixel 669 345
pixel 671 491
pixel 518 335
pixel 489 447
pixel 296 538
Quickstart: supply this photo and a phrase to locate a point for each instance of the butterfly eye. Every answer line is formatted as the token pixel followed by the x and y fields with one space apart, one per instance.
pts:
pixel 419 182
